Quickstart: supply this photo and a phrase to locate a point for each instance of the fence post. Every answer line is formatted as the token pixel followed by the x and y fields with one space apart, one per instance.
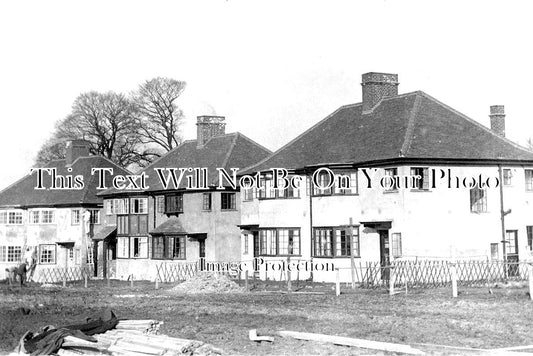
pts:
pixel 337 282
pixel 288 275
pixel 156 283
pixel 530 279
pixel 246 280
pixel 391 280
pixel 64 278
pixel 453 272
pixel 131 281
pixel 85 279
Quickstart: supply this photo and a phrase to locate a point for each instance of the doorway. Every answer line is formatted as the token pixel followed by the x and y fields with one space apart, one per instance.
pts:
pixel 256 243
pixel 511 247
pixel 384 248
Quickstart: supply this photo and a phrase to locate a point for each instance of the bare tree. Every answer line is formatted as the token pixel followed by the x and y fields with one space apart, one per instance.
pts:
pixel 51 150
pixel 108 122
pixel 159 114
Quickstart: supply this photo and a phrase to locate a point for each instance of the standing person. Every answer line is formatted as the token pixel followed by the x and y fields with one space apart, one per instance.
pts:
pixel 30 258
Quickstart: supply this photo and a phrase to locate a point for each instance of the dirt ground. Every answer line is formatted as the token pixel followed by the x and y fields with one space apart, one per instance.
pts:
pixel 476 319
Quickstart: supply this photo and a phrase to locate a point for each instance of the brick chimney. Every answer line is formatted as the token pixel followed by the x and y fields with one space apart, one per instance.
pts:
pixel 76 149
pixel 377 86
pixel 497 119
pixel 209 126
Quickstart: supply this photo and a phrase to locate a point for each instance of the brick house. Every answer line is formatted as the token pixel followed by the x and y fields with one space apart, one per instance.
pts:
pixel 167 224
pixel 386 140
pixel 57 223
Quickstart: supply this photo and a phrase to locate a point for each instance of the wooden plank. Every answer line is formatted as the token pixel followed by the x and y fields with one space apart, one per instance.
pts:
pixel 347 341
pixel 252 334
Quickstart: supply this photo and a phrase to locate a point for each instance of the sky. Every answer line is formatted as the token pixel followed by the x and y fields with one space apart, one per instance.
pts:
pixel 272 68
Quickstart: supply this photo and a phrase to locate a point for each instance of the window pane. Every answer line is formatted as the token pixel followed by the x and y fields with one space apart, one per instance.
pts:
pixel 47 254
pixel 206 204
pixel 396 245
pixel 227 201
pixel 123 247
pixel 157 247
pixel 14 253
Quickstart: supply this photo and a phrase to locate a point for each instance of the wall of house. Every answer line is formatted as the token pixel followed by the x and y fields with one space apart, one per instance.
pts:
pixel 34 235
pixel 434 223
pixel 222 242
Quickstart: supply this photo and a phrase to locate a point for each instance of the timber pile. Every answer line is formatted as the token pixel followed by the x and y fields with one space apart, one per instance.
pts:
pixel 207 282
pixel 144 326
pixel 137 338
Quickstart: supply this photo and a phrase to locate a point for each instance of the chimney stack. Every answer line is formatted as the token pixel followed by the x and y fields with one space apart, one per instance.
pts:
pixel 76 149
pixel 497 119
pixel 209 126
pixel 376 87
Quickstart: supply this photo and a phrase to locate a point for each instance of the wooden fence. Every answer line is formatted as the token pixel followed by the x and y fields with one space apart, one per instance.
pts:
pixel 69 274
pixel 176 271
pixel 168 272
pixel 438 273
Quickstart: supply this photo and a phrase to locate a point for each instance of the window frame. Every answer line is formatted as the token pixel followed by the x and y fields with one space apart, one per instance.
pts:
pixel 177 201
pixel 478 204
pixel 52 259
pixel 167 251
pixel 386 172
pixel 11 217
pixel 95 216
pixel 528 175
pixel 13 253
pixel 207 201
pixel 334 235
pixel 529 234
pixel 507 175
pixel 138 206
pixel 75 216
pixel 271 247
pixel 224 201
pixel 396 245
pixel 424 187
pixel 267 190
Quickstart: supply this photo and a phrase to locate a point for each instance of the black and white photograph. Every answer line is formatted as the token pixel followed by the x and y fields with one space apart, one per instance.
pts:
pixel 231 177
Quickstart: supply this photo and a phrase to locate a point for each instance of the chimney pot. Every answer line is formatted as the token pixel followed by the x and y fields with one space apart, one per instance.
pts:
pixel 497 119
pixel 209 126
pixel 376 87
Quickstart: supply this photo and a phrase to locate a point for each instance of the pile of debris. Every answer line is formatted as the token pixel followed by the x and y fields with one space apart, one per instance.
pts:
pixel 135 342
pixel 208 282
pixel 107 335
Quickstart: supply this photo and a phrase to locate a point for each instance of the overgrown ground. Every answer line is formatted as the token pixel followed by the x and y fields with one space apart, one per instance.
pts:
pixel 476 319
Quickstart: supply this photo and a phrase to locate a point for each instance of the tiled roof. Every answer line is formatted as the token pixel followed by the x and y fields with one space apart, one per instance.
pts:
pixel 104 232
pixel 23 194
pixel 228 151
pixel 171 226
pixel 407 126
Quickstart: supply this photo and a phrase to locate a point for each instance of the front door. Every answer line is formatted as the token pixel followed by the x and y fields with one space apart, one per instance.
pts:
pixel 384 253
pixel 256 243
pixel 201 244
pixel 511 247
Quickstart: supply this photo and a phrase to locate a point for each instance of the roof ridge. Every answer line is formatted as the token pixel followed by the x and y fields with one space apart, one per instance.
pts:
pixel 408 139
pixel 166 154
pixel 253 142
pixel 343 107
pixel 505 139
pixel 230 151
